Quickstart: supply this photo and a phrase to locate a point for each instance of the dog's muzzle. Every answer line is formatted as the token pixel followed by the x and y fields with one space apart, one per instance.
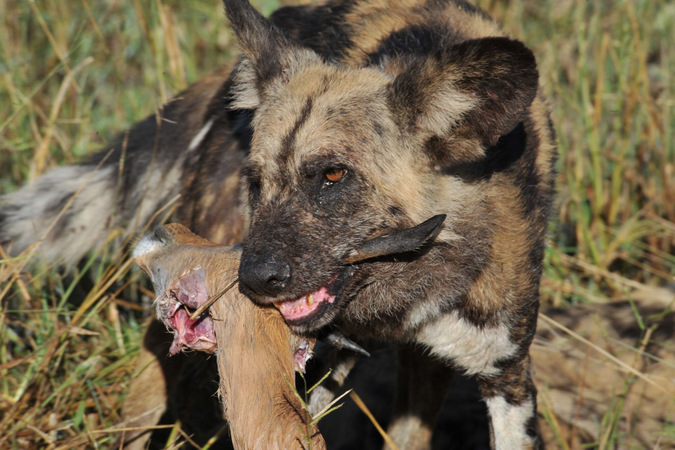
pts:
pixel 265 275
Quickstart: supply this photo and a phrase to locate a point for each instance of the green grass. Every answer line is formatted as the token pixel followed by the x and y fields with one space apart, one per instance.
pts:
pixel 73 74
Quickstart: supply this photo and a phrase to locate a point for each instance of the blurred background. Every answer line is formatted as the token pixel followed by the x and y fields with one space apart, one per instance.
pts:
pixel 74 74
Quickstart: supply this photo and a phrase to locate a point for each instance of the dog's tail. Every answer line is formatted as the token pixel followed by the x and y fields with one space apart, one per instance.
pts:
pixel 73 209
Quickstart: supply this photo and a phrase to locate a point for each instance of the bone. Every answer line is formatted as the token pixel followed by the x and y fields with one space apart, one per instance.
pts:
pixel 397 241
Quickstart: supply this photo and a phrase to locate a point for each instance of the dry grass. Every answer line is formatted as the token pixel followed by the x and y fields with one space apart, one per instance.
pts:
pixel 75 73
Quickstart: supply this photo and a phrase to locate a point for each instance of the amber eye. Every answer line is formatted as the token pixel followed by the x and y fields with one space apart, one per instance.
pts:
pixel 335 175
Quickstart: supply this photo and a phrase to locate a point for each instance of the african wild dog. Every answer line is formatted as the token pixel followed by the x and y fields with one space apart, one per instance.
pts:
pixel 341 122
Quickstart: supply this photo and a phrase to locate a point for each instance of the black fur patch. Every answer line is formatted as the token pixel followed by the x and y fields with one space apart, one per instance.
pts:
pixel 288 142
pixel 420 37
pixel 321 28
pixel 502 156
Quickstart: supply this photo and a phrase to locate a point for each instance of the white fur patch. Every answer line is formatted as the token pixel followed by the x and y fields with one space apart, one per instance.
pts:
pixel 199 137
pixel 151 192
pixel 474 349
pixel 321 395
pixel 32 210
pixel 146 245
pixel 509 423
pixel 28 215
pixel 447 107
pixel 245 93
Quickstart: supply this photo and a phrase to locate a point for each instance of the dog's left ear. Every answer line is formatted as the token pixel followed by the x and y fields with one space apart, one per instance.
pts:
pixel 474 91
pixel 268 56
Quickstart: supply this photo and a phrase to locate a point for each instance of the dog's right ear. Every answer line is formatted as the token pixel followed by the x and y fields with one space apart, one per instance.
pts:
pixel 471 93
pixel 268 56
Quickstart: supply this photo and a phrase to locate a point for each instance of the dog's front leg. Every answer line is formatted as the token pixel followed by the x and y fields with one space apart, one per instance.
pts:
pixel 340 364
pixel 511 398
pixel 422 384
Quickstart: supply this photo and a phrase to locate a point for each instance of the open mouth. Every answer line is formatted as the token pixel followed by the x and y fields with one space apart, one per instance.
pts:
pixel 313 310
pixel 316 303
pixel 305 306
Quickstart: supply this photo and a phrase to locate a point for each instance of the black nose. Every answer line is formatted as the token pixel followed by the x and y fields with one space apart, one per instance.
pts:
pixel 263 274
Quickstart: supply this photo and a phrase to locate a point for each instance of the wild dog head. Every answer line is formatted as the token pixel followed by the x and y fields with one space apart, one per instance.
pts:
pixel 343 154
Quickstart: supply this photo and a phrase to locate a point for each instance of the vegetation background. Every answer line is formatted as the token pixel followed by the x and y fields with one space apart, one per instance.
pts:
pixel 73 74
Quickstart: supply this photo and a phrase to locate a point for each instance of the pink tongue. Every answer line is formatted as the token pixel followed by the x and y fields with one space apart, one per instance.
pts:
pixel 298 309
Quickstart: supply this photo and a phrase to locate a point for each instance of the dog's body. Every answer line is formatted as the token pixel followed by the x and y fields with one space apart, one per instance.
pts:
pixel 360 118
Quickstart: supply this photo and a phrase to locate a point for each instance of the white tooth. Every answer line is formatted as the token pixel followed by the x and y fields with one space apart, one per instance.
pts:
pixel 310 300
pixel 175 308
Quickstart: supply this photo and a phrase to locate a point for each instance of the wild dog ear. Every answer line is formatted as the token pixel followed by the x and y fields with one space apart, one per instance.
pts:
pixel 267 54
pixel 475 90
